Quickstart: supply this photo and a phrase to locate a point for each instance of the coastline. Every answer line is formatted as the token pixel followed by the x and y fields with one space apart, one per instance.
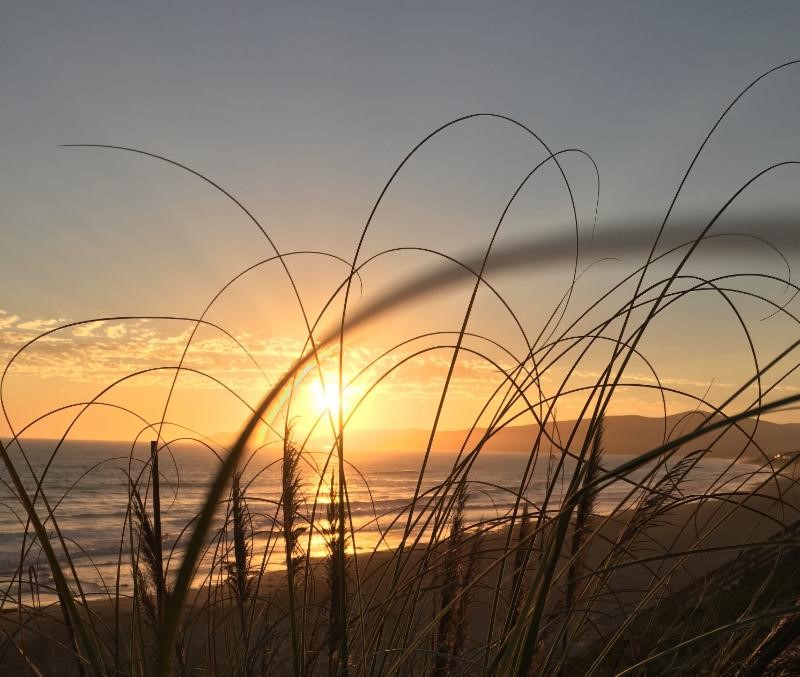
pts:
pixel 683 546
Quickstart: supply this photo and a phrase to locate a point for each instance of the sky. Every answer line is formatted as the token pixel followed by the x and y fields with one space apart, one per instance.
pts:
pixel 303 111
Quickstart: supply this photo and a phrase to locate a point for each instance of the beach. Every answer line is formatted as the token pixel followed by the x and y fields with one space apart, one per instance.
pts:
pixel 623 574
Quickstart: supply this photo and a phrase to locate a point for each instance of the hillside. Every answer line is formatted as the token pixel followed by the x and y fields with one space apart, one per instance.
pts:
pixel 623 435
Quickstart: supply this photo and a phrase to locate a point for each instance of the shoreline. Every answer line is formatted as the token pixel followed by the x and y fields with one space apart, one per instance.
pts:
pixel 688 542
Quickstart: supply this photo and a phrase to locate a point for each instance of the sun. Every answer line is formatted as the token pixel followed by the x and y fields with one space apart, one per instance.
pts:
pixel 325 398
pixel 321 397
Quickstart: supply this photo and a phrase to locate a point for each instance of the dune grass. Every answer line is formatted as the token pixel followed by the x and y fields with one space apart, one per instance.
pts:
pixel 549 587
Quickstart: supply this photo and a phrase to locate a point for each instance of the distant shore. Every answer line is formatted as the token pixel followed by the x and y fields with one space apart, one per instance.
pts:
pixel 625 434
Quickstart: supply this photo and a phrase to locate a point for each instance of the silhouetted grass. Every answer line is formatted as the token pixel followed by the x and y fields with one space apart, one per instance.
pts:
pixel 553 586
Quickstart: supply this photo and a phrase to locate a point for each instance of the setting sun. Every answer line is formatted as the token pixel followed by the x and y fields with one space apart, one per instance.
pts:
pixel 325 398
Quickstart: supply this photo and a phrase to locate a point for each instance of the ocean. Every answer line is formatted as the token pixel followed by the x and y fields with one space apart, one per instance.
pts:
pixel 86 486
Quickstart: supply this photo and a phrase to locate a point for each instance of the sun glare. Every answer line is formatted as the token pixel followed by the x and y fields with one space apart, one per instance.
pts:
pixel 325 397
pixel 322 395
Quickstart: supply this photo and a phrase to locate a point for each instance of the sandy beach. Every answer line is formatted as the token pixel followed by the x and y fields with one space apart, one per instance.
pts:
pixel 622 574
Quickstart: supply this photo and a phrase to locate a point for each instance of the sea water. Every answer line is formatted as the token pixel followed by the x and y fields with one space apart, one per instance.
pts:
pixel 86 486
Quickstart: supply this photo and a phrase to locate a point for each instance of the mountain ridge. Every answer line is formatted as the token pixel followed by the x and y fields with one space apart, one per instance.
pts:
pixel 624 434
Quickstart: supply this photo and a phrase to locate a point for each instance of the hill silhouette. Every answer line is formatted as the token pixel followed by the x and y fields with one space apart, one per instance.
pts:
pixel 628 434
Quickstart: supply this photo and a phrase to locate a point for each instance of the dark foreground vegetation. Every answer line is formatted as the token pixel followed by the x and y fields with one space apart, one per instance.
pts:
pixel 668 582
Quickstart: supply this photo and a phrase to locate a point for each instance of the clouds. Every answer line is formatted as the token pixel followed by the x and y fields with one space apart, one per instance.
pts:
pixel 7 321
pixel 100 352
pixel 14 326
pixel 40 325
pixel 78 362
pixel 106 350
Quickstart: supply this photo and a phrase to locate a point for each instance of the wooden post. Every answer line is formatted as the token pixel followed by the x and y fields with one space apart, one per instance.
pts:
pixel 157 526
